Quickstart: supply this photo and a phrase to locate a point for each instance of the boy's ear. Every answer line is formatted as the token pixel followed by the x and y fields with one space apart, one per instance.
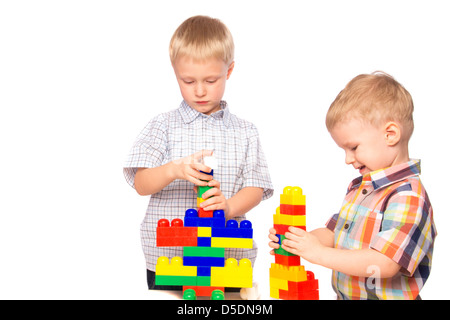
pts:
pixel 392 133
pixel 230 70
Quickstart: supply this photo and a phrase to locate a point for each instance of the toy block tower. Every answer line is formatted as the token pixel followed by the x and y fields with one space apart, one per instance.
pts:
pixel 204 235
pixel 288 278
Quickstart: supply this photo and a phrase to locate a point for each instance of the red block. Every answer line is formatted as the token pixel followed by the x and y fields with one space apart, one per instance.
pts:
pixel 282 229
pixel 202 213
pixel 287 260
pixel 303 286
pixel 295 210
pixel 201 291
pixel 175 235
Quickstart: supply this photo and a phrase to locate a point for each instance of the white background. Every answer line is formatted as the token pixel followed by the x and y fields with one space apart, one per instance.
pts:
pixel 80 79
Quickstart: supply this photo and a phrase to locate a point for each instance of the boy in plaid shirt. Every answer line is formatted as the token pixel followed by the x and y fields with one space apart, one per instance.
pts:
pixel 380 244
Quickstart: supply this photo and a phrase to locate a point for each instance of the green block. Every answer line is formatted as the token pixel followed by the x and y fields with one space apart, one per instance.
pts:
pixel 204 281
pixel 176 280
pixel 203 252
pixel 280 250
pixel 202 190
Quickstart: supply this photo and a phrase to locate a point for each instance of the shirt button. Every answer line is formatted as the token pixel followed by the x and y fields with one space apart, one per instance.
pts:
pixel 364 191
pixel 346 226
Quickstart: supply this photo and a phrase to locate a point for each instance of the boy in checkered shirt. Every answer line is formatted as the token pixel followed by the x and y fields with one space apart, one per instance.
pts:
pixel 166 159
pixel 380 244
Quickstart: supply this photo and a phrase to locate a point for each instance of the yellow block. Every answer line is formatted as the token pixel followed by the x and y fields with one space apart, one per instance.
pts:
pixel 199 200
pixel 274 293
pixel 204 231
pixel 294 273
pixel 279 283
pixel 289 220
pixel 231 243
pixel 292 195
pixel 233 275
pixel 175 268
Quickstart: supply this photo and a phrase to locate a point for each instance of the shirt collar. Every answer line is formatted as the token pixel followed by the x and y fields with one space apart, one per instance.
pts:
pixel 384 177
pixel 190 114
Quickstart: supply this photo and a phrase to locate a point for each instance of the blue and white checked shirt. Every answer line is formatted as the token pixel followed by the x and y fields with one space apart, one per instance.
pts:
pixel 180 133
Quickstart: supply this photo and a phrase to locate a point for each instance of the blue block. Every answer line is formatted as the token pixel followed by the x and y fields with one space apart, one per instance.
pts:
pixel 204 242
pixel 191 219
pixel 232 231
pixel 204 271
pixel 210 173
pixel 204 261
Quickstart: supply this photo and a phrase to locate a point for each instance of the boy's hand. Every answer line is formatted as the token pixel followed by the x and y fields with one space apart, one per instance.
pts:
pixel 303 244
pixel 274 240
pixel 189 168
pixel 299 242
pixel 217 200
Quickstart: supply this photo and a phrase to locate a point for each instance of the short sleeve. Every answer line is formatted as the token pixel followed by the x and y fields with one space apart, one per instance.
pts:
pixel 407 230
pixel 149 149
pixel 256 171
pixel 331 223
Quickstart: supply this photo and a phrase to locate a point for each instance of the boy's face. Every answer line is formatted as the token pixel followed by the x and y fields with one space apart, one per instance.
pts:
pixel 366 146
pixel 202 83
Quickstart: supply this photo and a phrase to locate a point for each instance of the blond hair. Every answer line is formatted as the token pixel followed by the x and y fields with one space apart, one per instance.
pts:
pixel 376 98
pixel 201 38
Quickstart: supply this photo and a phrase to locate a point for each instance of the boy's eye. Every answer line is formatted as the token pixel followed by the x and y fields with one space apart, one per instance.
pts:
pixel 354 148
pixel 211 81
pixel 188 81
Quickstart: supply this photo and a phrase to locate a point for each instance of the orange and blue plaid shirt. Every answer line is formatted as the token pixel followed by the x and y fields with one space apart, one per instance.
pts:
pixel 389 211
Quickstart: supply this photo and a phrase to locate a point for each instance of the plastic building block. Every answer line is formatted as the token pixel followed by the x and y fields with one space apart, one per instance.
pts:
pixel 204 231
pixel 204 241
pixel 232 243
pixel 191 219
pixel 292 260
pixel 217 295
pixel 175 268
pixel 282 229
pixel 175 235
pixel 202 213
pixel 204 261
pixel 288 278
pixel 202 190
pixel 204 271
pixel 289 220
pixel 294 273
pixel 202 291
pixel 233 231
pixel 199 201
pixel 233 274
pixel 292 195
pixel 203 252
pixel 297 210
pixel 175 281
pixel 204 235
pixel 189 294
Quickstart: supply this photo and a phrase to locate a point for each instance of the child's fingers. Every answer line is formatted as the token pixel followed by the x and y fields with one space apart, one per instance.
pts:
pixel 201 167
pixel 274 245
pixel 297 231
pixel 273 237
pixel 196 157
pixel 213 192
pixel 214 183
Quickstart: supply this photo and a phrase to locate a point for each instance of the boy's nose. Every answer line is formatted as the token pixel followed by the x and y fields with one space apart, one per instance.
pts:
pixel 349 158
pixel 200 90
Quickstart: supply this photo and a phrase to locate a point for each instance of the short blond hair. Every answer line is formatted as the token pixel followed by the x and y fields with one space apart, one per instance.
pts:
pixel 376 98
pixel 201 38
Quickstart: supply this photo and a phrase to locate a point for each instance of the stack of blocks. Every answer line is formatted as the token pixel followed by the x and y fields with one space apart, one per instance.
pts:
pixel 204 235
pixel 288 278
